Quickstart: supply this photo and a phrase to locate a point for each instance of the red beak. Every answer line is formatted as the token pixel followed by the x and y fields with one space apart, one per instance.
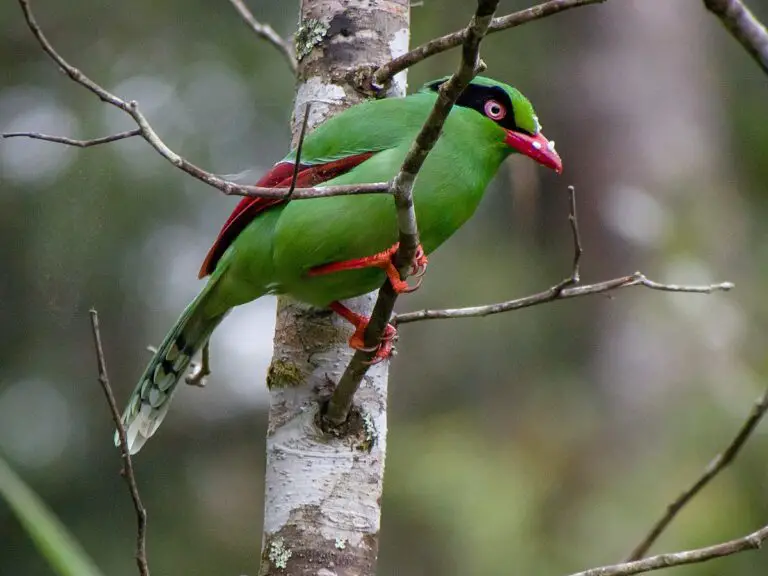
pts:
pixel 536 147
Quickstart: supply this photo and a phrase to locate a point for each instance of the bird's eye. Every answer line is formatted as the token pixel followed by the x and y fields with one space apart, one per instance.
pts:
pixel 494 110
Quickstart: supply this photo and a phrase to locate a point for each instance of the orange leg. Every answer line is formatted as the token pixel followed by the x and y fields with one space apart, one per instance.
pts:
pixel 383 349
pixel 381 260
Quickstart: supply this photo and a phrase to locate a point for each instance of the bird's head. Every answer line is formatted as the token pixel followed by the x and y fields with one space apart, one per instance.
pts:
pixel 512 112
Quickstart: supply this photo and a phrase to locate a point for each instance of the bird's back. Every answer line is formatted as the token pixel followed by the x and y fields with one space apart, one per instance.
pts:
pixel 310 233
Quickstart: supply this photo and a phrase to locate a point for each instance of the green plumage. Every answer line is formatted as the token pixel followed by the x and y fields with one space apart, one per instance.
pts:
pixel 275 251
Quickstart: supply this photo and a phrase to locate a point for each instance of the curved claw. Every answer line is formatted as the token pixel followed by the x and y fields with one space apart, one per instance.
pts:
pixel 416 286
pixel 366 348
pixel 390 334
pixel 418 271
pixel 402 286
pixel 420 261
pixel 383 349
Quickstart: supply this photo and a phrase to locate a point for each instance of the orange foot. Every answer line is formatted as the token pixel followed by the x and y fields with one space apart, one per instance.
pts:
pixel 381 260
pixel 357 341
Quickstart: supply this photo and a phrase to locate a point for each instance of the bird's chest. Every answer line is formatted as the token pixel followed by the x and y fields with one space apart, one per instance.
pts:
pixel 444 203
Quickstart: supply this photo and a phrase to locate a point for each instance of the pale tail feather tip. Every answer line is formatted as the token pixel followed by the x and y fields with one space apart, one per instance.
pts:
pixel 141 427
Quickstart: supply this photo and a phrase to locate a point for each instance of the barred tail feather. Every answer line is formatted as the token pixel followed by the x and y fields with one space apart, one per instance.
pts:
pixel 151 398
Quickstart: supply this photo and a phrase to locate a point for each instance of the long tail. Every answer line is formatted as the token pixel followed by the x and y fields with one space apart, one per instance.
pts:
pixel 150 400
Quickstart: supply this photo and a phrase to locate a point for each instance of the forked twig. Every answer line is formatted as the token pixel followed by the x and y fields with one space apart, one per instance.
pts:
pixel 552 294
pixel 751 541
pixel 148 133
pixel 127 471
pixel 437 45
pixel 718 463
pixel 266 32
pixel 566 288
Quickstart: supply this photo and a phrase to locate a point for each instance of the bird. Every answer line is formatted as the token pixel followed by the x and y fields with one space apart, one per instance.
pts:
pixel 324 250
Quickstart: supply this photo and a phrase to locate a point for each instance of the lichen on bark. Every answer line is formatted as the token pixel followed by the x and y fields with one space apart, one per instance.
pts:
pixel 282 374
pixel 309 35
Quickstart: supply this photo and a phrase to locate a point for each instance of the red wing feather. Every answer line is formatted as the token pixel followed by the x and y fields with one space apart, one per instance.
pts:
pixel 278 177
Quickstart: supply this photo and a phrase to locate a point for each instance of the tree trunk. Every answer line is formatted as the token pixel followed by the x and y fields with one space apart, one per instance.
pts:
pixel 323 493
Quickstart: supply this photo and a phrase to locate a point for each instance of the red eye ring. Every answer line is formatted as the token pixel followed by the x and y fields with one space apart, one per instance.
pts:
pixel 494 110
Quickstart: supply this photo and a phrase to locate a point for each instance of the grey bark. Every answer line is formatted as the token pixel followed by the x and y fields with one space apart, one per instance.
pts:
pixel 323 492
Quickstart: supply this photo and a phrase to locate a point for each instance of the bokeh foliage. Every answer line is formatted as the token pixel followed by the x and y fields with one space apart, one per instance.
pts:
pixel 537 442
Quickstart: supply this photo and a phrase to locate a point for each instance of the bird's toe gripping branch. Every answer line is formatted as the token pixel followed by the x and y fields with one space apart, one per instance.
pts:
pixel 383 260
pixel 357 341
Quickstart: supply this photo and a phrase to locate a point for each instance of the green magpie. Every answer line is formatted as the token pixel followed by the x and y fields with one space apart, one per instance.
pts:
pixel 324 250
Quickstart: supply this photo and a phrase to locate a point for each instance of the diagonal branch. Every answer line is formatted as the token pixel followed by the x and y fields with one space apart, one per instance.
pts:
pixel 146 131
pixel 402 188
pixel 718 463
pixel 743 25
pixel 127 471
pixel 266 32
pixel 751 541
pixel 385 73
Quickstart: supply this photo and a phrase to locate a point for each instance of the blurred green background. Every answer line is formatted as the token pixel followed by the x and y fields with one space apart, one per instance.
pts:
pixel 537 442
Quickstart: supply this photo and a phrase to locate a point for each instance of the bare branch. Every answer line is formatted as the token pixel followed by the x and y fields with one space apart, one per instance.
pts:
pixel 636 279
pixel 402 188
pixel 562 290
pixel 148 133
pixel 743 25
pixel 578 251
pixel 385 73
pixel 751 541
pixel 718 463
pixel 299 146
pixel 72 142
pixel 127 471
pixel 266 32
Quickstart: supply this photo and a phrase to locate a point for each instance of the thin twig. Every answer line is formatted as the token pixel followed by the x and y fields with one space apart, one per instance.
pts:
pixel 266 32
pixel 71 141
pixel 227 187
pixel 148 133
pixel 402 188
pixel 743 26
pixel 751 541
pixel 578 250
pixel 385 73
pixel 127 471
pixel 718 463
pixel 297 161
pixel 636 279
pixel 563 290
